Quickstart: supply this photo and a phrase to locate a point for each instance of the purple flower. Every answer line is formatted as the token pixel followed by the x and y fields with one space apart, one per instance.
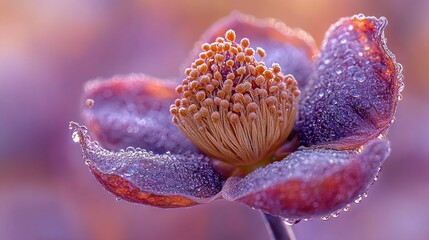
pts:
pixel 265 119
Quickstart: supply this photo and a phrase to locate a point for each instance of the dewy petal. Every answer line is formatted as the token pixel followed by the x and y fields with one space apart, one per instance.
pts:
pixel 133 111
pixel 310 182
pixel 293 49
pixel 137 175
pixel 357 87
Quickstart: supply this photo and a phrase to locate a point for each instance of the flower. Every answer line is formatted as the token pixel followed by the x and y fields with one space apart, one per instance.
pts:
pixel 247 134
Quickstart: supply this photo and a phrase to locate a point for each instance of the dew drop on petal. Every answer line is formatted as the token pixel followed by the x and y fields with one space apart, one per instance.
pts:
pixel 130 129
pixel 346 208
pixel 290 221
pixel 89 102
pixel 358 199
pixel 355 93
pixel 359 76
pixel 401 78
pixel 75 137
pixel 339 71
pixel 130 149
pixel 336 214
pixel 87 162
pixel 360 16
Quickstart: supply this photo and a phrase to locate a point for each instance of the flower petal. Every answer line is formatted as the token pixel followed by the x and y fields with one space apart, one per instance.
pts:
pixel 310 182
pixel 293 49
pixel 357 89
pixel 162 180
pixel 134 111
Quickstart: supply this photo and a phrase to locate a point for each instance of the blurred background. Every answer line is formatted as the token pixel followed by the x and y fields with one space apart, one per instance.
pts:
pixel 49 48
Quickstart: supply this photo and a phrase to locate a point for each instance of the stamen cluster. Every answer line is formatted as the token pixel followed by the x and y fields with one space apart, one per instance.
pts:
pixel 232 106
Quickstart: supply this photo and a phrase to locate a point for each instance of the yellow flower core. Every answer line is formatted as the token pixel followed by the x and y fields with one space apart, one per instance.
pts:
pixel 233 107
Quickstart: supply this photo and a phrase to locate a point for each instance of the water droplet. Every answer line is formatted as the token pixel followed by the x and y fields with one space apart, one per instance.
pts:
pixel 326 218
pixel 76 137
pixel 401 86
pixel 350 27
pixel 327 61
pixel 355 93
pixel 399 97
pixel 290 222
pixel 130 129
pixel 339 71
pixel 366 47
pixel 365 195
pixel 359 76
pixel 118 199
pixel 349 61
pixel 346 208
pixel 89 102
pixel 360 16
pixel 343 41
pixel 335 214
pixel 130 149
pixel 358 199
pixel 87 162
pixel 321 94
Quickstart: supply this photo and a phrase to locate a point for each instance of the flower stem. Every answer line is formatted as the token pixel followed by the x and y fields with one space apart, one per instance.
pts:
pixel 278 229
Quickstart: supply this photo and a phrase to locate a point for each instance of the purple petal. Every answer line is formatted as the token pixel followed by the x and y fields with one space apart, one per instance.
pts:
pixel 162 180
pixel 310 182
pixel 357 89
pixel 293 49
pixel 134 111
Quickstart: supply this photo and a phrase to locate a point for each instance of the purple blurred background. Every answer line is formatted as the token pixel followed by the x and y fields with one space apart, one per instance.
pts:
pixel 49 48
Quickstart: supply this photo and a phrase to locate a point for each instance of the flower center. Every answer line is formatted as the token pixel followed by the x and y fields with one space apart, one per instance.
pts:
pixel 233 107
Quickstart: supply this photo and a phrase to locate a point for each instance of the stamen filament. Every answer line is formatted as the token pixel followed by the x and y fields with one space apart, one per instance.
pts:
pixel 233 107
